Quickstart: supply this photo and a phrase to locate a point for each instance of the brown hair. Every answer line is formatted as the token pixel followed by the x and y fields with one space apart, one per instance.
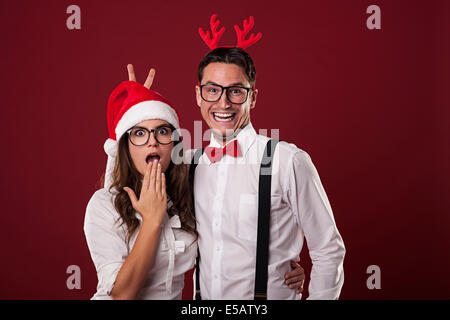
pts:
pixel 232 55
pixel 125 174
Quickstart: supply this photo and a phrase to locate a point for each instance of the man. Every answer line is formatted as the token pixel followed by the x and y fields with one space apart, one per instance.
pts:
pixel 292 279
pixel 226 195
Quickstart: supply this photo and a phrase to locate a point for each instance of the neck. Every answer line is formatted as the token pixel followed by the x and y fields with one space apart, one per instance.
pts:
pixel 223 140
pixel 230 135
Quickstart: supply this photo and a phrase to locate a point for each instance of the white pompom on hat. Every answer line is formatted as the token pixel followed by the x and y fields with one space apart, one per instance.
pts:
pixel 129 104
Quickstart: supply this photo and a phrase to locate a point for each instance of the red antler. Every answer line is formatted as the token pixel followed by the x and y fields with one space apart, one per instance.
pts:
pixel 212 42
pixel 244 43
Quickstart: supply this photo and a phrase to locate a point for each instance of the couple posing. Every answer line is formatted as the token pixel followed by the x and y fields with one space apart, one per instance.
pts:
pixel 149 223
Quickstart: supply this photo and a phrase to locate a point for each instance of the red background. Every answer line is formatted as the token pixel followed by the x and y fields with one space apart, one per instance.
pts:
pixel 370 107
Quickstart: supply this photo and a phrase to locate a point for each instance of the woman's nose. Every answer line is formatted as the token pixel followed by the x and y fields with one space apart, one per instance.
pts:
pixel 152 139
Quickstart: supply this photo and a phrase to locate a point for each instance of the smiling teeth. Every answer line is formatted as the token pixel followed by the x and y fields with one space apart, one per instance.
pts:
pixel 223 116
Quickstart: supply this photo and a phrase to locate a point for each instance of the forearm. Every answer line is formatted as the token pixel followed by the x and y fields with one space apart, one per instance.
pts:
pixel 135 269
pixel 325 284
pixel 327 273
pixel 308 199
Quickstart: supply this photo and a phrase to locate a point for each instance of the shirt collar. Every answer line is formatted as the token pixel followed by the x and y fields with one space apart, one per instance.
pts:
pixel 245 136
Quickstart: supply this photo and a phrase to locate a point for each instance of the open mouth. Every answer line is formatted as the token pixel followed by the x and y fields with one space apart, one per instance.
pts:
pixel 152 157
pixel 224 116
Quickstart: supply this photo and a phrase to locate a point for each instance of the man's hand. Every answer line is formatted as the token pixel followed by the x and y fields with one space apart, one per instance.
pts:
pixel 132 76
pixel 295 278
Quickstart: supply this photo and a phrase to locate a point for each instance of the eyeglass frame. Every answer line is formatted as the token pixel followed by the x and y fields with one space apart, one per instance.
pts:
pixel 154 133
pixel 224 89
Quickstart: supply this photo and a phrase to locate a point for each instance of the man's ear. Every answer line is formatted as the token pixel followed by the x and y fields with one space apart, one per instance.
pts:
pixel 198 95
pixel 253 96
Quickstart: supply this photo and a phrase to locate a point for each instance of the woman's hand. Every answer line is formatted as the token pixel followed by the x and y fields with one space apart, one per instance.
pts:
pixel 132 77
pixel 152 203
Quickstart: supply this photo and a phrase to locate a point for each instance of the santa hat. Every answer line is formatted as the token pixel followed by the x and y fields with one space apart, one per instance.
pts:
pixel 129 104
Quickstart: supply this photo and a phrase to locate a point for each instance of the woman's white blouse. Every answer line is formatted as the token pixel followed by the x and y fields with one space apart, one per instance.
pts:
pixel 106 239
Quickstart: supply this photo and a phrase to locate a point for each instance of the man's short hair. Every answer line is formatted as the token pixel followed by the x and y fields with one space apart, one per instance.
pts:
pixel 231 55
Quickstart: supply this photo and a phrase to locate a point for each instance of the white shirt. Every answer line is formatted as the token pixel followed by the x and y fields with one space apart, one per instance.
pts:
pixel 107 244
pixel 226 204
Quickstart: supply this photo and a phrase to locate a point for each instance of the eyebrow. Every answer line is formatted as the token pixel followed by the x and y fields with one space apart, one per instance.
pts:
pixel 231 85
pixel 164 125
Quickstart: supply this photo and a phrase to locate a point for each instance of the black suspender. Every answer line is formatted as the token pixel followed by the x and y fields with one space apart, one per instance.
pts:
pixel 194 164
pixel 262 244
pixel 263 237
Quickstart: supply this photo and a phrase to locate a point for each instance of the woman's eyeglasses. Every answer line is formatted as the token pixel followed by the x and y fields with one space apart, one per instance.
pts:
pixel 139 136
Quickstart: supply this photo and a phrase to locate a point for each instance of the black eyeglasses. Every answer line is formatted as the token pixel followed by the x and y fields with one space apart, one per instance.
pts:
pixel 139 136
pixel 213 92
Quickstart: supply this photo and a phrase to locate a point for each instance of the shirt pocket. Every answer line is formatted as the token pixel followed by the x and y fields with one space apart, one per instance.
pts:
pixel 248 216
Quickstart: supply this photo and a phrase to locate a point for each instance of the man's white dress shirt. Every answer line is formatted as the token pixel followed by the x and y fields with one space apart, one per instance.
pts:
pixel 106 240
pixel 226 205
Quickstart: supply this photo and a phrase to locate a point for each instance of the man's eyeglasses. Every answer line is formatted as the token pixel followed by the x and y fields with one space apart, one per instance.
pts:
pixel 139 136
pixel 213 92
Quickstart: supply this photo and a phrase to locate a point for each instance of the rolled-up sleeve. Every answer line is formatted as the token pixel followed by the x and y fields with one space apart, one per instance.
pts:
pixel 309 201
pixel 106 241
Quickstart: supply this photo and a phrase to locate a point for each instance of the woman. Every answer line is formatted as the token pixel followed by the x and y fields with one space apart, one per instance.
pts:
pixel 144 255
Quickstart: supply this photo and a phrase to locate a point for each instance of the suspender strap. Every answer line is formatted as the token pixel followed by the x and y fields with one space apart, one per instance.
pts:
pixel 264 196
pixel 192 168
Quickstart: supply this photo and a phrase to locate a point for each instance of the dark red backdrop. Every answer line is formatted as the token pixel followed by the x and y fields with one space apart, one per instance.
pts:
pixel 370 107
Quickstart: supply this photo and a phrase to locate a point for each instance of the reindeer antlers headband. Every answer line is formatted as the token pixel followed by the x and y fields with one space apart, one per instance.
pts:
pixel 213 41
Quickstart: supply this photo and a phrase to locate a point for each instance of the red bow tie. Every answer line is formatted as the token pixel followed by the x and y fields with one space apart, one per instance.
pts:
pixel 231 149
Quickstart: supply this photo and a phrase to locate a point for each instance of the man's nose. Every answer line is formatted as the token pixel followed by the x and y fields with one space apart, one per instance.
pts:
pixel 223 102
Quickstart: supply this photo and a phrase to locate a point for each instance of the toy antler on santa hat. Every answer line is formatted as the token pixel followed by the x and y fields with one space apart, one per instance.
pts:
pixel 213 41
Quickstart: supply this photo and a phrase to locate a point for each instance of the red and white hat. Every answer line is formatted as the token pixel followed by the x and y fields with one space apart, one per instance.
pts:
pixel 129 104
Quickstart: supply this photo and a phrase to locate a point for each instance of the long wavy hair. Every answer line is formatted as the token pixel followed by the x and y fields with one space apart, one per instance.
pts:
pixel 178 190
